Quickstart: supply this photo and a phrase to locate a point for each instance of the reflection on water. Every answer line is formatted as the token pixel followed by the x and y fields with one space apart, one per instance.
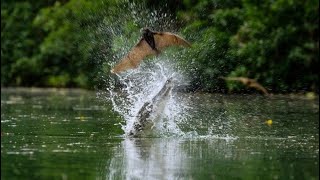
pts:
pixel 160 158
pixel 213 157
pixel 70 134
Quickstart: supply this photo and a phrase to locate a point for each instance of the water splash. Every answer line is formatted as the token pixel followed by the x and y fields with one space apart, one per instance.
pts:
pixel 142 85
pixel 129 91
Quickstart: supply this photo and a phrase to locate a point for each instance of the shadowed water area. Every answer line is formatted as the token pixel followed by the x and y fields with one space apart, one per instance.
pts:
pixel 72 134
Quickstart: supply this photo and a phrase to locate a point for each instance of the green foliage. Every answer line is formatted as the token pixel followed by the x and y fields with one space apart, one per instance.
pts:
pixel 52 44
pixel 210 53
pixel 273 42
pixel 278 44
pixel 17 42
pixel 67 43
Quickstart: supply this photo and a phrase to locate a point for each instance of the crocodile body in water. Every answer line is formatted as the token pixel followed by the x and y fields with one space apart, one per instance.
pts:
pixel 151 111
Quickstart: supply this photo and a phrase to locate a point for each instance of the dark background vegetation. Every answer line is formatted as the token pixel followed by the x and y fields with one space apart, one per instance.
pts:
pixel 50 44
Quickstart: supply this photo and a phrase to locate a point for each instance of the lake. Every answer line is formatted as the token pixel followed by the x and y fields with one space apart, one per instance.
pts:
pixel 72 134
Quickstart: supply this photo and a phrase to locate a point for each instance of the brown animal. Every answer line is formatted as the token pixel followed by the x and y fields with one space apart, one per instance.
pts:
pixel 151 43
pixel 248 82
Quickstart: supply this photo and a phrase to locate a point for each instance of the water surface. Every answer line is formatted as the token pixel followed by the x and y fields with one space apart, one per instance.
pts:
pixel 71 134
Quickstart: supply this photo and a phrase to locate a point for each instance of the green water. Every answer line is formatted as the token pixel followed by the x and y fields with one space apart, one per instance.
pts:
pixel 70 134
